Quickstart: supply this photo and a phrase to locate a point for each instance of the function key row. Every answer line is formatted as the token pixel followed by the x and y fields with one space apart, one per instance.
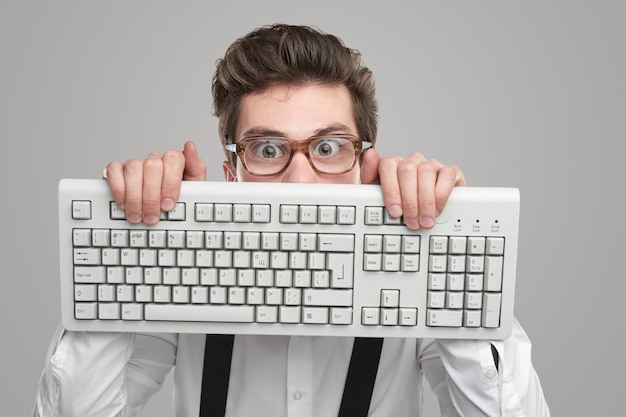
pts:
pixel 243 213
pixel 311 214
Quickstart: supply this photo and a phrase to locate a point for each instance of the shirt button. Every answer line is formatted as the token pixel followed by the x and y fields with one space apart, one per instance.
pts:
pixel 297 396
pixel 55 359
pixel 492 373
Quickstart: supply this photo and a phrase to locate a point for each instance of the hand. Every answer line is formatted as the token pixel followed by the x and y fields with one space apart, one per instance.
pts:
pixel 414 187
pixel 145 187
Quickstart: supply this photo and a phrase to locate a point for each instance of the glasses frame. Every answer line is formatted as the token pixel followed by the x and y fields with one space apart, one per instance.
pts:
pixel 299 145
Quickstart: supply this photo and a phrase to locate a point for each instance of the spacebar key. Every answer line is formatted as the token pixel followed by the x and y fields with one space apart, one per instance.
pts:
pixel 209 313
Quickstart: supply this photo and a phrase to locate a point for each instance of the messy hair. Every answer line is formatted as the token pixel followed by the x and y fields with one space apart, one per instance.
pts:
pixel 290 55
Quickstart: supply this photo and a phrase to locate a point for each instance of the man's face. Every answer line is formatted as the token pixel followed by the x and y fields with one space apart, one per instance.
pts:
pixel 297 113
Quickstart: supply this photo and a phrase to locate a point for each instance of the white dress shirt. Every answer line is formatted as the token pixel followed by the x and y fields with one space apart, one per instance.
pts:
pixel 115 374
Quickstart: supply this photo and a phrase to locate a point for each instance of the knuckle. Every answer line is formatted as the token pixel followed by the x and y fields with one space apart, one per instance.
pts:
pixel 173 157
pixel 153 165
pixel 417 156
pixel 133 202
pixel 133 165
pixel 427 204
pixel 150 202
pixel 407 167
pixel 387 164
pixel 426 167
pixel 409 207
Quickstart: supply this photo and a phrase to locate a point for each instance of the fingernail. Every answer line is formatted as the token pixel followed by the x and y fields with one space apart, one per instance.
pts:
pixel 427 222
pixel 395 211
pixel 167 204
pixel 412 224
pixel 134 218
pixel 151 219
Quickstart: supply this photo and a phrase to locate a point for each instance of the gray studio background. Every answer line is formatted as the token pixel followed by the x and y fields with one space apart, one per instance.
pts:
pixel 527 94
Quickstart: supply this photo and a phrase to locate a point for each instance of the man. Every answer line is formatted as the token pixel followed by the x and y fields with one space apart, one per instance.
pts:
pixel 288 97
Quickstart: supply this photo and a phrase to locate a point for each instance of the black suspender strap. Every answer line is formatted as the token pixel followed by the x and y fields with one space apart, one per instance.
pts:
pixel 357 394
pixel 218 352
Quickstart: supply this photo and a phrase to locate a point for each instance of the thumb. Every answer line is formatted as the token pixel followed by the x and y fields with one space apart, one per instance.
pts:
pixel 195 168
pixel 369 167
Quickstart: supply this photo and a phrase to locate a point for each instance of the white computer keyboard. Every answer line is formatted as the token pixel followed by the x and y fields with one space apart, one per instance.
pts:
pixel 288 259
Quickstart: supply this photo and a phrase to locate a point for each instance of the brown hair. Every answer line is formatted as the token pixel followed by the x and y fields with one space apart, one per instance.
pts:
pixel 286 54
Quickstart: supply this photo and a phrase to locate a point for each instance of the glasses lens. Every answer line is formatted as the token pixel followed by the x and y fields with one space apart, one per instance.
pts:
pixel 266 156
pixel 332 155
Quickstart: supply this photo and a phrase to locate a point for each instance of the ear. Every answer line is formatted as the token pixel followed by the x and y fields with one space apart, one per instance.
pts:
pixel 230 174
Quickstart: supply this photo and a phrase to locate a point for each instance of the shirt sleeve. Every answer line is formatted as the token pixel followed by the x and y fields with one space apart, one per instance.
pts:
pixel 484 378
pixel 102 374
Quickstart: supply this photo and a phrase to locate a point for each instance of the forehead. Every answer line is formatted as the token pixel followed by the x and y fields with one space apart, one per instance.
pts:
pixel 298 111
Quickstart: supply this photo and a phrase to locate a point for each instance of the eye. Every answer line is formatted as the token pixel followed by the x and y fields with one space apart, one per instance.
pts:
pixel 328 146
pixel 267 149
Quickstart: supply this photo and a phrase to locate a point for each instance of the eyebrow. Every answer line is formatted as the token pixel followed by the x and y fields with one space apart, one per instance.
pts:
pixel 263 131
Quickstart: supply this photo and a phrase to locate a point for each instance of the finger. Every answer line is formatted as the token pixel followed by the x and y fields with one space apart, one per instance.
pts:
pixel 388 177
pixel 447 178
pixel 369 167
pixel 173 166
pixel 133 178
pixel 195 168
pixel 426 184
pixel 151 195
pixel 408 180
pixel 114 174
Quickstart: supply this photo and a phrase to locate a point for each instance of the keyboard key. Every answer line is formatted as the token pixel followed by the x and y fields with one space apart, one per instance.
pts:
pixel 101 238
pixel 408 317
pixel 341 315
pixel 85 292
pixel 495 246
pixel 493 273
pixel 288 214
pixel 81 210
pixel 261 213
pixel 438 244
pixel 491 309
pixel 289 314
pixel 327 214
pixel 346 215
pixel 335 242
pixel 89 274
pixel 82 237
pixel 315 315
pixel 86 311
pixel 390 298
pixel 370 316
pixel 177 213
pixel 444 318
pixel 87 256
pixel 109 311
pixel 373 215
pixel 132 312
pixel 334 298
pixel 212 313
pixel 204 212
pixel 242 213
pixel 223 213
pixel 389 316
pixel 341 269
